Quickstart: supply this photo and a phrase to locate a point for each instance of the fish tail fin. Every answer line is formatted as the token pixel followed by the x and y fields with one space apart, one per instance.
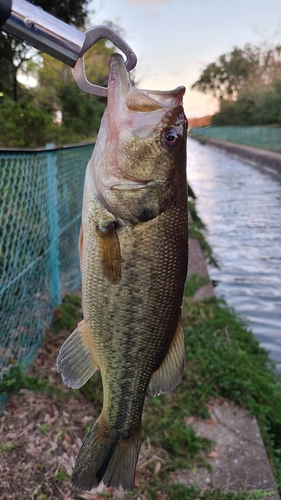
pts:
pixel 107 459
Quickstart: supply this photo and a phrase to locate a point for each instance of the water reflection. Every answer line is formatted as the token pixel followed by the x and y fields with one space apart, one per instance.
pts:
pixel 241 207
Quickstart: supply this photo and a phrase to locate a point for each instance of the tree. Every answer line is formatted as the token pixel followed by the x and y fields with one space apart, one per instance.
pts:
pixel 30 122
pixel 14 53
pixel 226 77
pixel 246 83
pixel 81 113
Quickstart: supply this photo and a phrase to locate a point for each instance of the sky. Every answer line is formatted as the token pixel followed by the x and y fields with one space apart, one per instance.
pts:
pixel 175 40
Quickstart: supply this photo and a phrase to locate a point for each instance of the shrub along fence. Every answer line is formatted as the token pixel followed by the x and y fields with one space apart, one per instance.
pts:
pixel 266 137
pixel 40 209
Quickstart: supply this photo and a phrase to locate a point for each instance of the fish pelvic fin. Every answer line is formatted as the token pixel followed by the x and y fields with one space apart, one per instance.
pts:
pixel 108 458
pixel 76 358
pixel 169 375
pixel 109 252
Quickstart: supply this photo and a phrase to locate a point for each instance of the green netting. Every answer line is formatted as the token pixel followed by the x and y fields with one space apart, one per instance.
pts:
pixel 40 210
pixel 260 137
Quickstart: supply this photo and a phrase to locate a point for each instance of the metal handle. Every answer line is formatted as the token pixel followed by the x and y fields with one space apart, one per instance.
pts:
pixel 44 32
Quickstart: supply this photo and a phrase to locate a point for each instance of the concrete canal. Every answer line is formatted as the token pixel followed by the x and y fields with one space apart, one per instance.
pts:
pixel 241 207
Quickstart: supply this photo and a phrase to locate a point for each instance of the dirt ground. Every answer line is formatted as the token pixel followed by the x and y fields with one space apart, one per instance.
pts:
pixel 41 434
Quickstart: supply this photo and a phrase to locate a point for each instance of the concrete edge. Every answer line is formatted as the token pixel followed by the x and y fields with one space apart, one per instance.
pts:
pixel 236 465
pixel 267 161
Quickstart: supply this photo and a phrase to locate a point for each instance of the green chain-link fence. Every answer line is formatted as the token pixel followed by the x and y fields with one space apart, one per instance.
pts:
pixel 260 137
pixel 40 210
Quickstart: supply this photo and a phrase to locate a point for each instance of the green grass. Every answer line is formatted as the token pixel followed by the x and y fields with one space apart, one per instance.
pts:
pixel 61 476
pixel 68 313
pixel 17 379
pixel 6 447
pixel 44 428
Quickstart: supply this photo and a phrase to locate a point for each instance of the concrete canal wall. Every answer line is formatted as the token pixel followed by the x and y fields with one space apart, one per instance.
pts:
pixel 268 161
pixel 239 460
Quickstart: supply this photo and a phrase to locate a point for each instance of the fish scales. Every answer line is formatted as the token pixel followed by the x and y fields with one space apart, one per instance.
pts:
pixel 133 249
pixel 137 313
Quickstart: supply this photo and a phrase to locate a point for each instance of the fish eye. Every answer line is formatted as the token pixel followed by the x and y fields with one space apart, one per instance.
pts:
pixel 171 137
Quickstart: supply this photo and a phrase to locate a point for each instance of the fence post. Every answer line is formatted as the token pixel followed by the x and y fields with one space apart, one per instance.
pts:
pixel 54 227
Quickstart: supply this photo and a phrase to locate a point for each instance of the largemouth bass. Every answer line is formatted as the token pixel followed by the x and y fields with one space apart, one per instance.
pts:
pixel 133 248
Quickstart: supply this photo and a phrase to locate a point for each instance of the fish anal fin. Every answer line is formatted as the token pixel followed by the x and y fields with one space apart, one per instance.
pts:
pixel 76 358
pixel 169 374
pixel 109 252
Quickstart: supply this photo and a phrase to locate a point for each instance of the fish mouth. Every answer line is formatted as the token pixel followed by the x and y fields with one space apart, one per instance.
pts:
pixel 129 182
pixel 121 90
pixel 129 186
pixel 133 185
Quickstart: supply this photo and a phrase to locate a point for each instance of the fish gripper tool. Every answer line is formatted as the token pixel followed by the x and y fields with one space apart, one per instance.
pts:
pixel 45 32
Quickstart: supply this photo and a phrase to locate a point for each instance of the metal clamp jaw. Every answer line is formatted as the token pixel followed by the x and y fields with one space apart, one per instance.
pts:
pixel 92 36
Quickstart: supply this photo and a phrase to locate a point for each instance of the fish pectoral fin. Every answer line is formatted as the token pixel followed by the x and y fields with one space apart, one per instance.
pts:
pixel 76 357
pixel 109 252
pixel 169 375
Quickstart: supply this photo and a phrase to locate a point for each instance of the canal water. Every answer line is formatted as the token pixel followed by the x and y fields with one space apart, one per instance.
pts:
pixel 241 208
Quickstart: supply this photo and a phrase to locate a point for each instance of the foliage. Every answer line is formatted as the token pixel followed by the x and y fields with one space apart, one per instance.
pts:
pixel 23 125
pixel 255 105
pixel 72 12
pixel 68 314
pixel 247 84
pixel 17 379
pixel 224 78
pixel 194 216
pixel 30 122
pixel 197 230
pixel 15 53
pixel 81 114
pixel 190 192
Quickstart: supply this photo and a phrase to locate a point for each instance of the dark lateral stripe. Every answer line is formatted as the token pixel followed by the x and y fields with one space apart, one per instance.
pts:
pixel 5 11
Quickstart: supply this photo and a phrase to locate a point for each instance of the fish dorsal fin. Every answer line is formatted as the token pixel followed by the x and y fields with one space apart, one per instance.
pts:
pixel 76 358
pixel 109 252
pixel 168 376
